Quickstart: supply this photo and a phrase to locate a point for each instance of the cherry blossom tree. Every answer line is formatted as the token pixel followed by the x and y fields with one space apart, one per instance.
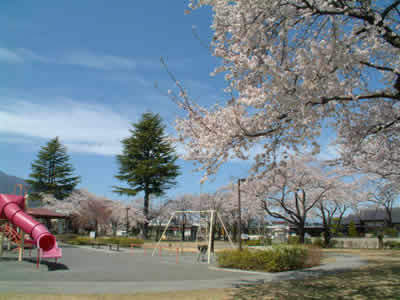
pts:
pixel 385 195
pixel 70 206
pixel 291 67
pixel 292 190
pixel 369 147
pixel 159 213
pixel 95 213
pixel 336 202
pixel 185 202
pixel 87 210
pixel 124 216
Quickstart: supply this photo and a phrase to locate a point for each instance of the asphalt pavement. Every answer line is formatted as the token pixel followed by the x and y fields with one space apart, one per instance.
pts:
pixel 85 270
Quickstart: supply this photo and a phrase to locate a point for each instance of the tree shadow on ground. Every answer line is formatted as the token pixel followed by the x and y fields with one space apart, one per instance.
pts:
pixel 377 281
pixel 51 265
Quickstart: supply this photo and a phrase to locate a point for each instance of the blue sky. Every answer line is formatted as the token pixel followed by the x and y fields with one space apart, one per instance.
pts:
pixel 84 70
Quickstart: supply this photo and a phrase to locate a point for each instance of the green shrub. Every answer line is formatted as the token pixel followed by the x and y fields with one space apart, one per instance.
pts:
pixel 82 240
pixel 67 237
pixel 122 241
pixel 391 232
pixel 392 245
pixel 277 259
pixel 254 243
pixel 332 244
pixel 267 242
pixel 293 240
pixel 352 232
pixel 260 242
pixel 318 242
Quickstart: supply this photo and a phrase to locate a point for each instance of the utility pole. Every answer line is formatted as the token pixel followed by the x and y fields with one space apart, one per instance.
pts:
pixel 127 221
pixel 239 216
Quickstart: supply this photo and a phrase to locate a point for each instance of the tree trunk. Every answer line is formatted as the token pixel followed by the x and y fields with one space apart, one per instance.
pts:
pixel 146 213
pixel 96 224
pixel 114 229
pixel 327 237
pixel 158 232
pixel 380 239
pixel 388 220
pixel 301 233
pixel 213 235
pixel 234 232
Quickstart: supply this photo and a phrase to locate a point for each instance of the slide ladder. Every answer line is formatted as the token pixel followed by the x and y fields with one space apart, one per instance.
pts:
pixel 12 235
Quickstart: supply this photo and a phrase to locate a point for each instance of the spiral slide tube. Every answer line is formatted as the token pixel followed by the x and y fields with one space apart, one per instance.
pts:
pixel 12 208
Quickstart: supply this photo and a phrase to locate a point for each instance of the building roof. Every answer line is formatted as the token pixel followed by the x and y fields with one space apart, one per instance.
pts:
pixel 44 213
pixel 373 215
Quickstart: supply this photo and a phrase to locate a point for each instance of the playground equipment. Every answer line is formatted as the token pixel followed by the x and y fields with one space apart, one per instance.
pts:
pixel 12 210
pixel 206 219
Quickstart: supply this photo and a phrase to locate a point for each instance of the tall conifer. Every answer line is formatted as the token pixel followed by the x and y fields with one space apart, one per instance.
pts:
pixel 51 172
pixel 147 163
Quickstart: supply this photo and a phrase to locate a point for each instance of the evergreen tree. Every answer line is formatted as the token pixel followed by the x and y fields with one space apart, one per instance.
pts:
pixel 147 163
pixel 352 230
pixel 51 172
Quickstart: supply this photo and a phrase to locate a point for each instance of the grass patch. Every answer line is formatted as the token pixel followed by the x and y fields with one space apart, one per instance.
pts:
pixel 378 280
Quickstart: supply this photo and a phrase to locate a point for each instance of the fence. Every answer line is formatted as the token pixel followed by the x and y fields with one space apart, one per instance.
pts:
pixel 360 243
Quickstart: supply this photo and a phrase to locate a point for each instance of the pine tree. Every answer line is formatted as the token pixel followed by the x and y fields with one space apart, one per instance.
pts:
pixel 51 172
pixel 352 229
pixel 147 163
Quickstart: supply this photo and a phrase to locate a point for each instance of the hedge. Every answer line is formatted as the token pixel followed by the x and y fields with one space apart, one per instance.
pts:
pixel 276 259
pixel 122 241
pixel 262 242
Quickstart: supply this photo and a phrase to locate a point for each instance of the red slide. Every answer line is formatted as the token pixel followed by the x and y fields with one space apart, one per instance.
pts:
pixel 12 208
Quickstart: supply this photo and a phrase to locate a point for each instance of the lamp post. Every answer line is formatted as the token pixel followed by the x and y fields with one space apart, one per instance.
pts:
pixel 127 220
pixel 240 215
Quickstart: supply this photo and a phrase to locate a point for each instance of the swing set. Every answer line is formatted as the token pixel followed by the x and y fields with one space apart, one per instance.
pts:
pixel 207 220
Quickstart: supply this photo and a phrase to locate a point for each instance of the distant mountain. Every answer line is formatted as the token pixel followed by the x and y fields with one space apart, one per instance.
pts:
pixel 8 182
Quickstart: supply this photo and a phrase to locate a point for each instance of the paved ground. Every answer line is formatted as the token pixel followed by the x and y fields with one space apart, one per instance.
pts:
pixel 87 270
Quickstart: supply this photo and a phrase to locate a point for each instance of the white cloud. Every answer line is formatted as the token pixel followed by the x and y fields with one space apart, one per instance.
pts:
pixel 79 58
pixel 104 62
pixel 27 54
pixel 10 56
pixel 84 128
